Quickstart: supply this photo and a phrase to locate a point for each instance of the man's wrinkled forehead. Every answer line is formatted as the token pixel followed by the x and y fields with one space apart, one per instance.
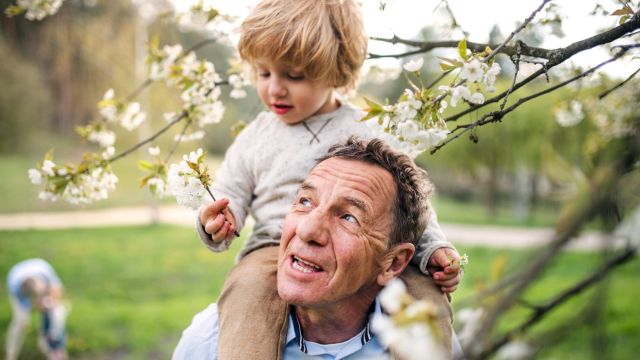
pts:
pixel 360 183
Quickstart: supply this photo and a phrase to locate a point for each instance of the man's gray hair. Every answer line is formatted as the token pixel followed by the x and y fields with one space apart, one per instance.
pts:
pixel 413 188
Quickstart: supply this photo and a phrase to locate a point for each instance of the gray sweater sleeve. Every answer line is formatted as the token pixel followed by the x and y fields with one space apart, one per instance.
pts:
pixel 432 239
pixel 233 181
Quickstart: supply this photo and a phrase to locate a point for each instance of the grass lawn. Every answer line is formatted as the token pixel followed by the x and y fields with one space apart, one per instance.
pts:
pixel 134 289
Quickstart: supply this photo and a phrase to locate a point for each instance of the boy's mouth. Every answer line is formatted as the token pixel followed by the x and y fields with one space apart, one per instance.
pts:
pixel 281 109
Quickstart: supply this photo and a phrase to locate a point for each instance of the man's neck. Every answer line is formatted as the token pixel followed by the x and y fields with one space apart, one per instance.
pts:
pixel 334 324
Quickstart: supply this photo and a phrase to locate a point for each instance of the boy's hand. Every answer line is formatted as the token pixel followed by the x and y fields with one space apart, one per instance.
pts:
pixel 444 267
pixel 218 221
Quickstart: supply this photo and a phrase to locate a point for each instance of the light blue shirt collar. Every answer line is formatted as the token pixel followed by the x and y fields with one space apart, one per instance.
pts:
pixel 365 341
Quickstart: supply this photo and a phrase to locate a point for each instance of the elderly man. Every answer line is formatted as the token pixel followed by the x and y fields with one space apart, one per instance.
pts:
pixel 350 231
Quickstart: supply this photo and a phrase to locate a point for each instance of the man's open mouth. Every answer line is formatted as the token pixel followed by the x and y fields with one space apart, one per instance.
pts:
pixel 305 266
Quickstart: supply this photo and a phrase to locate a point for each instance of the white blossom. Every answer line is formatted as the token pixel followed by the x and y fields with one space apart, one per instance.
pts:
pixel 35 176
pixel 571 116
pixel 103 138
pixel 238 94
pixel 491 75
pixel 414 65
pixel 515 350
pixel 154 151
pixel 132 116
pixel 47 196
pixel 470 320
pixel 431 137
pixel 157 186
pixel 476 98
pixel 108 153
pixel 39 9
pixel 196 135
pixel 472 71
pixel 188 190
pixel 458 93
pixel 378 75
pixel 47 167
pixel 391 296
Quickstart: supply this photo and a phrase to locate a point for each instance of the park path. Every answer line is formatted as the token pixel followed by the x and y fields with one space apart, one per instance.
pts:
pixel 460 234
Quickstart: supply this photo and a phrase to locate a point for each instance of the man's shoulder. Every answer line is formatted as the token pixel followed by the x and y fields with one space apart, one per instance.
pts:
pixel 200 339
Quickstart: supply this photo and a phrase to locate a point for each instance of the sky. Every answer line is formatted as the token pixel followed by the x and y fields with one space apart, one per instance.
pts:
pixel 405 18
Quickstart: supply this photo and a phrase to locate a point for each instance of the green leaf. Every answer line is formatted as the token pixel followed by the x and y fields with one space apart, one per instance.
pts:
pixel 14 10
pixel 462 48
pixel 373 106
pixel 454 62
pixel 145 165
pixel 447 67
pixel 623 19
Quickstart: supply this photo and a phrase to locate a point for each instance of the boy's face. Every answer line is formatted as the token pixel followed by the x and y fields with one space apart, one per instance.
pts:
pixel 290 95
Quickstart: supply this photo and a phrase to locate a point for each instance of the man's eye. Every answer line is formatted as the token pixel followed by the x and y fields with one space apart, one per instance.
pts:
pixel 305 202
pixel 350 218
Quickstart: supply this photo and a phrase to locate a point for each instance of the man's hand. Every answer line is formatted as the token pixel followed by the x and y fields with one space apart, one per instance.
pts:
pixel 218 220
pixel 444 267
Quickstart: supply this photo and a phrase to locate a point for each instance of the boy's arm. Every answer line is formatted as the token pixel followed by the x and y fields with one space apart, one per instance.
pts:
pixel 233 181
pixel 437 257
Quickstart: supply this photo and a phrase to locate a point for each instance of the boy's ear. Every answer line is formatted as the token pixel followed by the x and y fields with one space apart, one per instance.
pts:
pixel 395 261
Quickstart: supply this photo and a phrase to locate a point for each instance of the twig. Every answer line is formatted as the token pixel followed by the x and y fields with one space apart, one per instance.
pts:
pixel 515 77
pixel 541 310
pixel 498 115
pixel 604 94
pixel 182 115
pixel 517 30
pixel 437 80
pixel 148 82
pixel 178 140
pixel 473 46
pixel 558 56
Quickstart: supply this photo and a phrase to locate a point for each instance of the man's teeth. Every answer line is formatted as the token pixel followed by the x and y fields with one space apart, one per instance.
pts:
pixel 304 266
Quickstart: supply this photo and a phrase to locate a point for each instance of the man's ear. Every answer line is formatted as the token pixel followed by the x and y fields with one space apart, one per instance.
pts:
pixel 395 261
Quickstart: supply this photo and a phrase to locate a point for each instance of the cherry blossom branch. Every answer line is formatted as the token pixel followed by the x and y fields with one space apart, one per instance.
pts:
pixel 496 116
pixel 473 46
pixel 560 55
pixel 148 81
pixel 541 310
pixel 609 91
pixel 179 117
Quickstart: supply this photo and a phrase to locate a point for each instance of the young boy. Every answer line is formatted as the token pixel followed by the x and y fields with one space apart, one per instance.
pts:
pixel 301 51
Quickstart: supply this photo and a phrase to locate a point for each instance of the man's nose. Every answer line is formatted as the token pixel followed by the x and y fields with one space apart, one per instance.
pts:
pixel 314 228
pixel 277 88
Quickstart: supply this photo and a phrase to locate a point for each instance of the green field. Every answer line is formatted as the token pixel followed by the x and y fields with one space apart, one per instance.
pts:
pixel 134 289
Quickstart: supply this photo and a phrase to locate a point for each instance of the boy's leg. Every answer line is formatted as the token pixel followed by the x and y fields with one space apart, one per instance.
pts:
pixel 17 328
pixel 251 314
pixel 422 287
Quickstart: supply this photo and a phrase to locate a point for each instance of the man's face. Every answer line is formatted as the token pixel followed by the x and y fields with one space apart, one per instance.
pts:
pixel 336 233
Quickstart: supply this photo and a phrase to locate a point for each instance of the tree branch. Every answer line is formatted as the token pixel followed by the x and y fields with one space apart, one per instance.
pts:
pixel 473 46
pixel 560 55
pixel 182 115
pixel 541 310
pixel 516 31
pixel 498 115
pixel 604 94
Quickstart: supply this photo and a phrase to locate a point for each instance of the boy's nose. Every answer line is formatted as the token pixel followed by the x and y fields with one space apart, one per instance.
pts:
pixel 277 89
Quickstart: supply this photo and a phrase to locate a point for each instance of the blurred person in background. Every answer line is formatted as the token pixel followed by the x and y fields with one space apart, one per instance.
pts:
pixel 33 285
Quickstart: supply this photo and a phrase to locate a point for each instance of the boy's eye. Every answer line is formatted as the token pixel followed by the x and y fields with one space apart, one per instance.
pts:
pixel 295 76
